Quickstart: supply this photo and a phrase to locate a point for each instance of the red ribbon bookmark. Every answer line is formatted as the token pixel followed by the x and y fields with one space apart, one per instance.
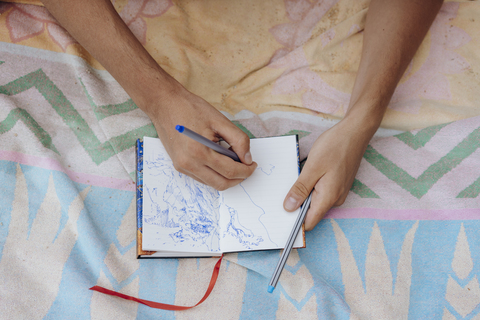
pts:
pixel 164 306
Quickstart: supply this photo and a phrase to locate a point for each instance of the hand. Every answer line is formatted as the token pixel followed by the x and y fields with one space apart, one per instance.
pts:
pixel 330 169
pixel 388 47
pixel 180 107
pixel 165 100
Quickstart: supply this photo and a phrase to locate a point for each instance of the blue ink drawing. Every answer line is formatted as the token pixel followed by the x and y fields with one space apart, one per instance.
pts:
pixel 244 235
pixel 185 214
pixel 270 170
pixel 239 231
pixel 182 209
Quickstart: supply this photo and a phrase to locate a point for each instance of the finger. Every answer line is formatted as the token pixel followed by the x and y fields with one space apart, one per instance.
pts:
pixel 324 197
pixel 300 189
pixel 206 175
pixel 230 169
pixel 197 157
pixel 237 139
pixel 187 173
pixel 215 180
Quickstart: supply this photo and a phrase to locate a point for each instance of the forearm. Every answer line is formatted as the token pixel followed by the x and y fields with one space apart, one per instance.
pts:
pixel 393 32
pixel 99 29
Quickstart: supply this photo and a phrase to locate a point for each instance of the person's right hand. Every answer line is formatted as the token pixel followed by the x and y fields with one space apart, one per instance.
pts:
pixel 181 107
pixel 158 94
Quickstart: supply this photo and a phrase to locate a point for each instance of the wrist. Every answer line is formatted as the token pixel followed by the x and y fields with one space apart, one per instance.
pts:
pixel 153 90
pixel 363 121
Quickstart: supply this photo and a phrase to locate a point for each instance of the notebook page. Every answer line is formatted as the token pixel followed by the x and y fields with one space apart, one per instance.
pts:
pixel 251 214
pixel 179 213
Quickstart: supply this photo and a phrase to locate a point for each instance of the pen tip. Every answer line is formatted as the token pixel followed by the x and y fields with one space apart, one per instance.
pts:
pixel 179 128
pixel 270 289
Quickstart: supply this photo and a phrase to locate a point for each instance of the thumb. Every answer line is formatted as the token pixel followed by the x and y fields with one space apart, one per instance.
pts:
pixel 299 191
pixel 238 140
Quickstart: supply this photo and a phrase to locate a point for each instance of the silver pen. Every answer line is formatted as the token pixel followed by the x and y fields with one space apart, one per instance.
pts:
pixel 289 245
pixel 208 143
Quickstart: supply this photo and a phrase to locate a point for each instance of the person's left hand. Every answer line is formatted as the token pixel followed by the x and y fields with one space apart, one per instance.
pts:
pixel 330 169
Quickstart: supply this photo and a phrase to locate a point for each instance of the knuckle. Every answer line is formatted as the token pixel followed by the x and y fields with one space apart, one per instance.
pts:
pixel 300 188
pixel 242 140
pixel 227 171
pixel 219 166
pixel 229 174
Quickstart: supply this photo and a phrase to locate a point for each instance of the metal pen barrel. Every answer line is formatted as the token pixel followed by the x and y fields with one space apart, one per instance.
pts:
pixel 289 245
pixel 208 143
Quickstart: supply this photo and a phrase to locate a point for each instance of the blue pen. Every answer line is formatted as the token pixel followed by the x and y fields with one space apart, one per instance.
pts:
pixel 208 143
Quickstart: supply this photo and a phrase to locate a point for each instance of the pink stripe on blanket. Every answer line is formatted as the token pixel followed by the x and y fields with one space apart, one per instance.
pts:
pixel 51 164
pixel 404 214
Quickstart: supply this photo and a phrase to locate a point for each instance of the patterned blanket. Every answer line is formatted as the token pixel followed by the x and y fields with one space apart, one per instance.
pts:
pixel 404 245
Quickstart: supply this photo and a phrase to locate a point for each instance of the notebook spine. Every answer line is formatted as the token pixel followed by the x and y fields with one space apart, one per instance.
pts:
pixel 298 154
pixel 139 193
pixel 139 183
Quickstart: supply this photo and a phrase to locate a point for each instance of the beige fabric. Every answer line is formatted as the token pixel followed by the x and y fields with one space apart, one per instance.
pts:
pixel 296 56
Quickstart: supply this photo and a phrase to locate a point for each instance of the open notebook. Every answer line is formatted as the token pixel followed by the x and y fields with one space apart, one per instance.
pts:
pixel 180 217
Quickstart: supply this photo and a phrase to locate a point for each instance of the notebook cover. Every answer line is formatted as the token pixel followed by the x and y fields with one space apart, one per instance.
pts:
pixel 139 196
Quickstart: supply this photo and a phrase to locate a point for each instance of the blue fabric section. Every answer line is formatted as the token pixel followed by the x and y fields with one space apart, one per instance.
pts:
pixel 37 184
pixel 257 302
pixel 393 235
pixel 7 189
pixel 321 258
pixel 263 264
pixel 432 254
pixel 97 227
pixel 317 257
pixel 433 251
pixel 157 283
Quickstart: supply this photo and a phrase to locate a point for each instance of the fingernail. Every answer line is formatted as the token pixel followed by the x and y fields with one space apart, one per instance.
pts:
pixel 291 204
pixel 248 158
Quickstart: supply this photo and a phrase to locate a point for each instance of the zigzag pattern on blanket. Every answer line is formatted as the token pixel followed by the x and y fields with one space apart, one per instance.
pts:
pixel 100 152
pixel 420 186
pixel 404 244
pixel 361 253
